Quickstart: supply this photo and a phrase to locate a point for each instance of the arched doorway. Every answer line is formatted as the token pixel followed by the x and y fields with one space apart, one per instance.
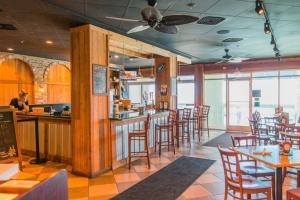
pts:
pixel 59 84
pixel 15 75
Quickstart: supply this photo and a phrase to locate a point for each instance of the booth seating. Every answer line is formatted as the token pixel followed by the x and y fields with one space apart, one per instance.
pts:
pixel 54 187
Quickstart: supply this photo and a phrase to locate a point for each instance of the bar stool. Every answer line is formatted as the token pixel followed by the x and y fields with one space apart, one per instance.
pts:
pixel 165 131
pixel 183 124
pixel 204 111
pixel 194 121
pixel 139 135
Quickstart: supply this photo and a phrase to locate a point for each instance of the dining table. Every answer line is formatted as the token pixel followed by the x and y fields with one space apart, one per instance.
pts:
pixel 271 156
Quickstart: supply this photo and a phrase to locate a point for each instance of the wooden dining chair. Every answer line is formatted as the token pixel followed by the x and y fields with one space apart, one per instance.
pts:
pixel 139 136
pixel 164 132
pixel 250 167
pixel 237 185
pixel 261 133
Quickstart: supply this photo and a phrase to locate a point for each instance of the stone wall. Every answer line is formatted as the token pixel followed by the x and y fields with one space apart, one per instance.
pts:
pixel 40 67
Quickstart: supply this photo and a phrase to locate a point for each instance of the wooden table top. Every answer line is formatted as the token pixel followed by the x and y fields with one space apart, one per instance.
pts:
pixel 274 159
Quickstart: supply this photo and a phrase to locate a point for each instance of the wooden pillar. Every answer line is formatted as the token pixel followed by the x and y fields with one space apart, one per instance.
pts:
pixel 90 125
pixel 165 69
pixel 199 85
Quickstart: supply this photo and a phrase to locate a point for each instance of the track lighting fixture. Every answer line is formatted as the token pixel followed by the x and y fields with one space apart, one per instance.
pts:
pixel 267 28
pixel 259 7
pixel 272 40
pixel 275 49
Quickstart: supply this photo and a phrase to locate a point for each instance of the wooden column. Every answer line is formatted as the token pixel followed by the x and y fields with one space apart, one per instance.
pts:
pixel 163 77
pixel 199 85
pixel 91 150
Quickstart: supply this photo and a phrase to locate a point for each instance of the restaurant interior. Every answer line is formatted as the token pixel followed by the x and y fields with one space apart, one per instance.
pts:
pixel 149 99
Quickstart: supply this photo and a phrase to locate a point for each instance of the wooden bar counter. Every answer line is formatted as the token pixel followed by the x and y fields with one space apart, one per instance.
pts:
pixel 120 127
pixel 54 136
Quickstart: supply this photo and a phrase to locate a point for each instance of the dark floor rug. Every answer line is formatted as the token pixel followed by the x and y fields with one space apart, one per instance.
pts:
pixel 168 183
pixel 223 140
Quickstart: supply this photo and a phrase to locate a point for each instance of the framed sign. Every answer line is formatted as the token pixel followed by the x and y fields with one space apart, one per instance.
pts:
pixel 9 148
pixel 100 83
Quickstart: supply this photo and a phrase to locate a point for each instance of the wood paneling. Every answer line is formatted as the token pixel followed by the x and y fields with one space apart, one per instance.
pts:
pixel 14 76
pixel 59 82
pixel 90 124
pixel 164 78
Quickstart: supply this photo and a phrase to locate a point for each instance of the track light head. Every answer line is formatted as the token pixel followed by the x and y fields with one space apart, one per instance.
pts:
pixel 259 7
pixel 272 40
pixel 275 49
pixel 267 28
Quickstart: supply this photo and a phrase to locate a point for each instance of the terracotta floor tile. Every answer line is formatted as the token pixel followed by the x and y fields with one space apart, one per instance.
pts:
pixel 129 177
pixel 208 178
pixel 144 168
pixel 124 186
pixel 196 191
pixel 103 190
pixel 82 192
pixel 215 189
pixel 78 182
pixel 105 179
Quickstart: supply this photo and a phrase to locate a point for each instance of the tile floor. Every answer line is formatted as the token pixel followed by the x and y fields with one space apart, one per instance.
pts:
pixel 209 186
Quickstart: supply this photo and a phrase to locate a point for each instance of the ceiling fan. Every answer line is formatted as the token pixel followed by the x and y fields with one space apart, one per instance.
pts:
pixel 152 18
pixel 229 58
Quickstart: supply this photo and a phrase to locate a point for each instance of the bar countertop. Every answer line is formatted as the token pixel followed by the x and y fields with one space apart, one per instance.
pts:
pixel 42 116
pixel 130 115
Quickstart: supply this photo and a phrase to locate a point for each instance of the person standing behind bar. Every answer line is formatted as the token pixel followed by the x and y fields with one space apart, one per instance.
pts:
pixel 20 103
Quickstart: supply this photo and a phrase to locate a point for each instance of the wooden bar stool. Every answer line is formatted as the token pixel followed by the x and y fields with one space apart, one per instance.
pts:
pixel 183 126
pixel 204 111
pixel 139 135
pixel 237 185
pixel 194 121
pixel 164 132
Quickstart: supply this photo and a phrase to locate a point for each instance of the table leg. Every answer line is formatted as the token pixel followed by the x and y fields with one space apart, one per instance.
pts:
pixel 279 181
pixel 37 160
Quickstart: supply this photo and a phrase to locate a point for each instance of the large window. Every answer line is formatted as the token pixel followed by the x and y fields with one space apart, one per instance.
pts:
pixel 185 92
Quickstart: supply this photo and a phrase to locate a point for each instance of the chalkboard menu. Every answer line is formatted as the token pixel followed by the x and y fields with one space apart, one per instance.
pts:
pixel 99 80
pixel 8 136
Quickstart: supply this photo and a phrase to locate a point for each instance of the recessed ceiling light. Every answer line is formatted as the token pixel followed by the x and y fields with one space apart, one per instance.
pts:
pixel 10 49
pixel 116 56
pixel 22 41
pixel 49 42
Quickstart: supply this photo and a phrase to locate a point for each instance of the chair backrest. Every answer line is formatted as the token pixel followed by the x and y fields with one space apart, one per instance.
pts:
pixel 196 111
pixel 172 116
pixel 243 141
pixel 204 110
pixel 147 123
pixel 256 116
pixel 253 127
pixel 186 113
pixel 293 139
pixel 231 166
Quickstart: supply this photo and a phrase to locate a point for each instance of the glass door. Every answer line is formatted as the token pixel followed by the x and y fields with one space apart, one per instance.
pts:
pixel 238 104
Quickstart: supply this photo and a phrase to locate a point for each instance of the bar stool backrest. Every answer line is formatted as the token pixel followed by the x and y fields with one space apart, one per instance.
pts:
pixel 231 166
pixel 147 123
pixel 196 111
pixel 256 116
pixel 204 110
pixel 172 116
pixel 253 127
pixel 186 113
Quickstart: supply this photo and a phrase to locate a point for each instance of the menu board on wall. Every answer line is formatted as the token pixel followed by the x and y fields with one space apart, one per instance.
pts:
pixel 99 80
pixel 8 136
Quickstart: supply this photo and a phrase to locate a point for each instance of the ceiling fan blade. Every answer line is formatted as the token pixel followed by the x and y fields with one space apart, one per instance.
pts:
pixel 166 29
pixel 173 20
pixel 138 29
pixel 221 61
pixel 123 19
pixel 151 14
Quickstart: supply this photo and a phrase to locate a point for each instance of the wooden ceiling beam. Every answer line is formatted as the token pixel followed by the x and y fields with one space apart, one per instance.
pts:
pixel 128 52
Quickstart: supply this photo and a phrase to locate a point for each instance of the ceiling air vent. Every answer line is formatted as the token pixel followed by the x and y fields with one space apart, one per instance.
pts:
pixel 232 40
pixel 7 27
pixel 210 20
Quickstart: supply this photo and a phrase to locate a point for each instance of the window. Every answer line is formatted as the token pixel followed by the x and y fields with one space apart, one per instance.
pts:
pixel 137 90
pixel 185 92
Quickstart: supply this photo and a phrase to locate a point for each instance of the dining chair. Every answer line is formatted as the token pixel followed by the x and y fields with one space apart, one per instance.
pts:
pixel 164 132
pixel 260 132
pixel 250 167
pixel 139 136
pixel 183 125
pixel 237 185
